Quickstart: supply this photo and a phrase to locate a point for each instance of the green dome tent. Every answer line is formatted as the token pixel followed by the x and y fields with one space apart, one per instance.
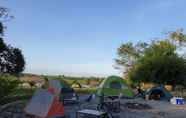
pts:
pixel 113 86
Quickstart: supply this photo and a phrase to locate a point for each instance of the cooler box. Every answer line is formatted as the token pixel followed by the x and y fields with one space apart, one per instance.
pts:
pixel 180 101
pixel 177 100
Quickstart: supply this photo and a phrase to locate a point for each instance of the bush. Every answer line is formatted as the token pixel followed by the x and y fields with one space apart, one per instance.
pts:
pixel 7 85
pixel 32 84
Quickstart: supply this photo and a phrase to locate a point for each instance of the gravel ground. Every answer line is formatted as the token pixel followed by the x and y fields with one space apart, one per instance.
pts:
pixel 160 109
pixel 156 109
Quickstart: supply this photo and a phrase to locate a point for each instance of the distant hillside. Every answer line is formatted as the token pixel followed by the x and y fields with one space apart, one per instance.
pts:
pixel 92 81
pixel 31 77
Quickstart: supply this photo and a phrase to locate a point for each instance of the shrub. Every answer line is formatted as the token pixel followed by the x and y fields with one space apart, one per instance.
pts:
pixel 7 85
pixel 32 84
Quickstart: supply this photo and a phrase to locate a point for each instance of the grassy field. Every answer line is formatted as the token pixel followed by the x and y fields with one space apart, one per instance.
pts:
pixel 82 80
pixel 88 85
pixel 23 93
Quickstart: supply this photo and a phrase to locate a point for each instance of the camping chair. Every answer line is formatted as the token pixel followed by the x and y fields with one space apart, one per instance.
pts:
pixel 111 107
pixel 96 103
pixel 90 102
pixel 110 103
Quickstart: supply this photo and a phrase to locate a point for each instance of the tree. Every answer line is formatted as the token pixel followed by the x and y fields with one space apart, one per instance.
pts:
pixel 1 28
pixel 160 64
pixel 11 59
pixel 160 61
pixel 178 37
pixel 4 16
pixel 17 60
pixel 128 54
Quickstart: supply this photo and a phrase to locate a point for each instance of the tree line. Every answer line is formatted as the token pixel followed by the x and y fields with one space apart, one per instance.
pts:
pixel 161 61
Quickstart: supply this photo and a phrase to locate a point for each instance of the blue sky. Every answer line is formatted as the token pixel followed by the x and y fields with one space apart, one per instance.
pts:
pixel 80 37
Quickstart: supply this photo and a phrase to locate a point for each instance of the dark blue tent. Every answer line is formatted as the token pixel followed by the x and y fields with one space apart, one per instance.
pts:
pixel 158 93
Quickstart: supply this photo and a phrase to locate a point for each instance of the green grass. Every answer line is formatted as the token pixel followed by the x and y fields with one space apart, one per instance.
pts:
pixel 86 90
pixel 82 80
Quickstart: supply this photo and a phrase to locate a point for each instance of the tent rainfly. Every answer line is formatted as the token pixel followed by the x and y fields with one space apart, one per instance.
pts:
pixel 114 86
pixel 55 86
pixel 44 105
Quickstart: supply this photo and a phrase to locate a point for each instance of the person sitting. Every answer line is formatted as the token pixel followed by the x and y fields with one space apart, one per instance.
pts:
pixel 140 92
